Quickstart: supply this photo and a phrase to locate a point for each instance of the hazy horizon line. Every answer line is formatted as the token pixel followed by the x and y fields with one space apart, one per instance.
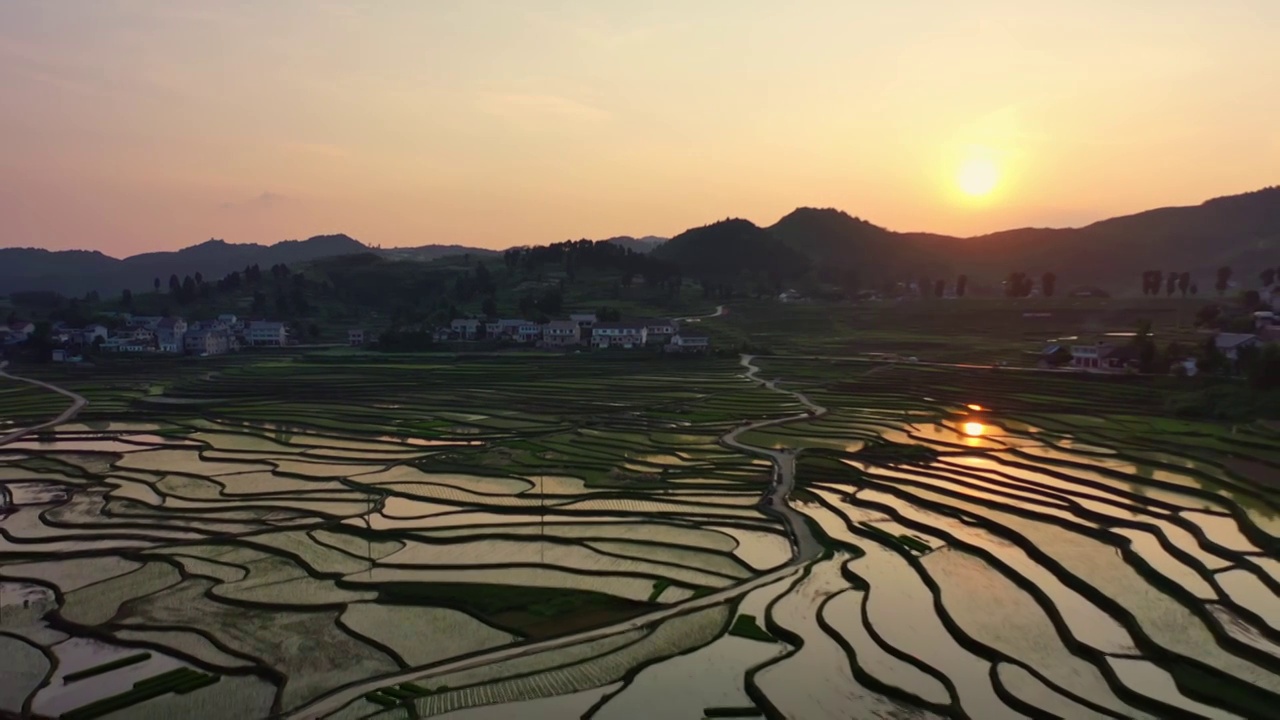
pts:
pixel 379 246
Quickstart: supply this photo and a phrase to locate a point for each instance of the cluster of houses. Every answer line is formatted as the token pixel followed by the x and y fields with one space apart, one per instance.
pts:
pixel 580 329
pixel 155 334
pixel 175 335
pixel 1108 356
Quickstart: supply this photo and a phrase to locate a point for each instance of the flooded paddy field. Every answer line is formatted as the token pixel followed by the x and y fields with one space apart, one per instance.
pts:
pixel 357 538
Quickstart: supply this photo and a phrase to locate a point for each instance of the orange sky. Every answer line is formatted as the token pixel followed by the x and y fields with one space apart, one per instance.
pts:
pixel 135 125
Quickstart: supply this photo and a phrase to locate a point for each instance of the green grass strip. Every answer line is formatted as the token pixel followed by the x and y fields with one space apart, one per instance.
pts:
pixel 732 712
pixel 197 683
pixel 659 587
pixel 180 681
pixel 107 667
pixel 377 698
pixel 114 703
pixel 166 678
pixel 397 693
pixel 745 626
pixel 915 543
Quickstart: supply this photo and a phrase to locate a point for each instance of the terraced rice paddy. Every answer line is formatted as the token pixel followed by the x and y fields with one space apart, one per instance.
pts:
pixel 300 525
pixel 578 538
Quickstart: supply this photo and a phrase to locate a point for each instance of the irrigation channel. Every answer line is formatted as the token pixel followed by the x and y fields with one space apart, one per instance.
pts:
pixel 805 549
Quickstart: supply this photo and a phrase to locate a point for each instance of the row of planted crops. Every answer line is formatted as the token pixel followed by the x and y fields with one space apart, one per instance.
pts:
pixel 408 539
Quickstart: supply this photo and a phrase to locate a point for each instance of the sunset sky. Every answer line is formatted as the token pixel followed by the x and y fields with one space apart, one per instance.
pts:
pixel 135 125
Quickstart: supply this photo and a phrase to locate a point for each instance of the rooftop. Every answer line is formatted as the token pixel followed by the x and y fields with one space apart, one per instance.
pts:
pixel 1230 340
pixel 622 325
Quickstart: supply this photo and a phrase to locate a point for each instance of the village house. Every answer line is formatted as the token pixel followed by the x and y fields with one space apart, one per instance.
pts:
pixel 266 333
pixel 1103 356
pixel 561 333
pixel 685 342
pixel 355 337
pixel 207 341
pixel 20 330
pixel 92 332
pixel 232 322
pixel 660 332
pixel 1089 357
pixel 517 330
pixel 585 320
pixel 465 328
pixel 170 333
pixel 1230 344
pixel 150 322
pixel 625 335
pixel 528 331
pixel 134 340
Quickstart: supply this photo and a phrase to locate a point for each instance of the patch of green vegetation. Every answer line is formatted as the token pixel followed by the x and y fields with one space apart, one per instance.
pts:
pixel 519 609
pixel 732 712
pixel 659 587
pixel 107 666
pixel 378 698
pixel 915 543
pixel 745 626
pixel 179 681
pixel 891 453
pixel 888 537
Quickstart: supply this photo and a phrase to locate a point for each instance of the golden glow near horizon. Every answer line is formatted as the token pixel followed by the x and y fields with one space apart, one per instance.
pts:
pixel 974 407
pixel 157 124
pixel 974 429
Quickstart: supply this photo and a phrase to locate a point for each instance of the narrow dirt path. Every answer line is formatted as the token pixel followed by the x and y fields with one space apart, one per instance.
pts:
pixel 805 546
pixel 77 404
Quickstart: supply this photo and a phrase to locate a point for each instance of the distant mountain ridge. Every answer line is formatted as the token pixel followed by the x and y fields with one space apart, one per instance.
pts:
pixel 723 250
pixel 642 244
pixel 1241 231
pixel 75 272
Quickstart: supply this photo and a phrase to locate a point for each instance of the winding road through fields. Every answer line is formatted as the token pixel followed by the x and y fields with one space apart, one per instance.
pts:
pixel 804 548
pixel 77 404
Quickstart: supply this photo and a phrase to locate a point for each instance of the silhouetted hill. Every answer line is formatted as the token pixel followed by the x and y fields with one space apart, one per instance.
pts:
pixel 641 245
pixel 427 253
pixel 729 248
pixel 835 240
pixel 75 272
pixel 1242 231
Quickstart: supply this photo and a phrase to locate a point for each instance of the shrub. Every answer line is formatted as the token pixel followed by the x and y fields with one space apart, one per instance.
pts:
pixel 745 626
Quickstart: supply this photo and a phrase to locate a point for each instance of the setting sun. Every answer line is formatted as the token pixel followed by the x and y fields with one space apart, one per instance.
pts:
pixel 974 429
pixel 978 176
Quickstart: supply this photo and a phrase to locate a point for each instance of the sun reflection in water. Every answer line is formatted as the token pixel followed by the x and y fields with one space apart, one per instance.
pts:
pixel 974 429
pixel 975 408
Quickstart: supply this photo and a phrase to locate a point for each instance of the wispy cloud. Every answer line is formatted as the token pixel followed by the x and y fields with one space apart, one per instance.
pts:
pixel 265 201
pixel 522 105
